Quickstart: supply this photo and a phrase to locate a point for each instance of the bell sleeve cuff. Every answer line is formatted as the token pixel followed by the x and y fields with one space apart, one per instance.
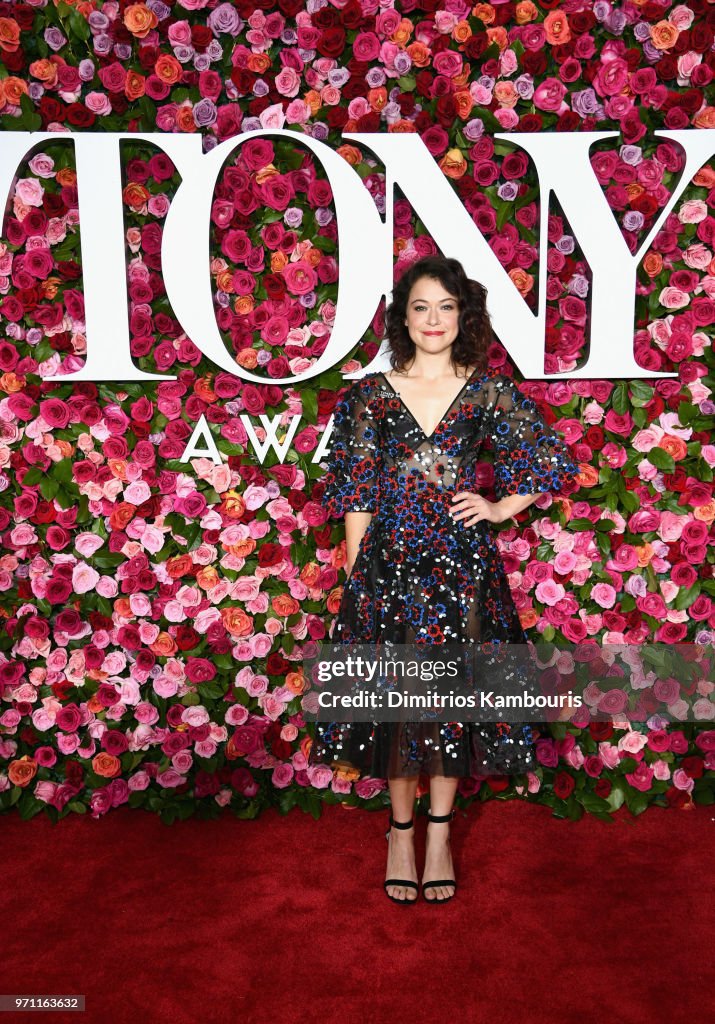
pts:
pixel 529 457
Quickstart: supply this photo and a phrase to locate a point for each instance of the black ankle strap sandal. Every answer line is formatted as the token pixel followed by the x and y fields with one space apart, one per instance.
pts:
pixel 407 882
pixel 441 881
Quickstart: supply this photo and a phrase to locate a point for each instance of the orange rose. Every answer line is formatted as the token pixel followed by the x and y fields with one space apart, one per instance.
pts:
pixel 588 477
pixel 347 772
pixel 485 13
pixel 10 383
pixel 118 468
pixel 106 765
pixel 168 69
pixel 461 32
pixel 236 622
pixel 505 94
pixel 14 88
pixel 284 605
pixel 524 282
pixel 526 12
pixel 66 176
pixel 9 35
pixel 207 577
pixel 634 190
pixel 653 264
pixel 224 281
pixel 164 646
pixel 705 119
pixel 706 513
pixel 402 33
pixel 350 153
pixel 556 27
pixel 377 98
pixel 203 389
pixel 65 447
pixel 295 681
pixel 258 63
pixel 123 608
pixel 645 554
pixel 334 598
pixel 663 35
pixel 674 446
pixel 242 548
pixel 453 163
pixel 402 127
pixel 705 176
pixel 22 771
pixel 463 103
pixel 244 305
pixel 498 35
pixel 178 566
pixel 94 704
pixel 121 515
pixel 184 118
pixel 309 574
pixel 45 71
pixel 140 20
pixel 233 504
pixel 528 618
pixel 312 98
pixel 279 261
pixel 134 85
pixel 248 359
pixel 136 196
pixel 419 54
pixel 50 286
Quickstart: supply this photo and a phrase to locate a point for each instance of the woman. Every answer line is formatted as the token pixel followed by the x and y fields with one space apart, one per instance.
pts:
pixel 423 565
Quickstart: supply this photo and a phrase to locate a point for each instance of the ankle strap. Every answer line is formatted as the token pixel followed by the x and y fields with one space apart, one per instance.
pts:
pixel 440 817
pixel 401 824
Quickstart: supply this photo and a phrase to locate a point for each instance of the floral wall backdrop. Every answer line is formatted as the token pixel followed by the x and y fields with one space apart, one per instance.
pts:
pixel 155 613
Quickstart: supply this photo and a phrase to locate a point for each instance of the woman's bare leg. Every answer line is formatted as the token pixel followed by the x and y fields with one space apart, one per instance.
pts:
pixel 401 850
pixel 438 856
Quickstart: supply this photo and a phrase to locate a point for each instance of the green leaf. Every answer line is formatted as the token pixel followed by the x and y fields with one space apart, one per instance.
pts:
pixel 309 400
pixel 659 458
pixel 80 28
pixel 49 487
pixel 407 83
pixel 30 119
pixel 63 471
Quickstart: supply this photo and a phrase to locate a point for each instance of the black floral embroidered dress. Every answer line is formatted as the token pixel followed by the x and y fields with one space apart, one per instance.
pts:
pixel 420 576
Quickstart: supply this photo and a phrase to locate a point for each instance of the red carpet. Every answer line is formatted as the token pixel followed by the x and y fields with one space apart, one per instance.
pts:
pixel 284 920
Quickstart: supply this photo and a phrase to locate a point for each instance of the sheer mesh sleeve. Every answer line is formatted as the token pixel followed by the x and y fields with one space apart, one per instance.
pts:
pixel 352 476
pixel 528 456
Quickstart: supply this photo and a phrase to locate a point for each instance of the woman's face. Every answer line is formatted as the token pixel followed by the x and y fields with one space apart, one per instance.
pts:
pixel 432 316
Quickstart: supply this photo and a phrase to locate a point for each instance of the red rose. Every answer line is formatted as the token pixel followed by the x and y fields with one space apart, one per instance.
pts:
pixel 603 788
pixel 693 766
pixel 563 785
pixel 331 42
pixel 270 554
pixel 77 114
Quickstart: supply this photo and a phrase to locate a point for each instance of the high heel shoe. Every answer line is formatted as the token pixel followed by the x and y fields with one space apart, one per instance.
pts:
pixel 442 881
pixel 399 881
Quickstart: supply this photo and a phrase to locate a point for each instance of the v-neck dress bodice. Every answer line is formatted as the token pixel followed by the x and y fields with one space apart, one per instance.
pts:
pixel 420 576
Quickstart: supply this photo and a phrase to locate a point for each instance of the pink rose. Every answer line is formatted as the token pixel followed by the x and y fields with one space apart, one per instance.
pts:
pixel 549 96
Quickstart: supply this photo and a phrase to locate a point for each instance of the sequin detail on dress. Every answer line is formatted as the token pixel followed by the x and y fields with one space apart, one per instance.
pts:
pixel 420 576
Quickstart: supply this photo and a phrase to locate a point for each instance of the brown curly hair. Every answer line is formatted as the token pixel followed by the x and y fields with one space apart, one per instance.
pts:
pixel 471 345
